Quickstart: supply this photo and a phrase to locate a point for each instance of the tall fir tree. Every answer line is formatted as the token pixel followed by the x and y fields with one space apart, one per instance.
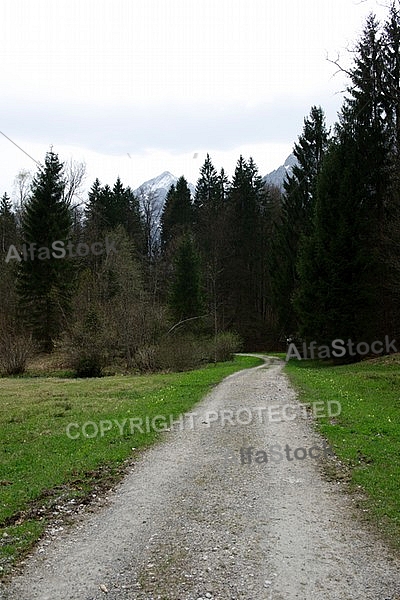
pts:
pixel 45 283
pixel 177 213
pixel 211 235
pixel 294 222
pixel 242 266
pixel 185 292
pixel 340 271
pixel 8 224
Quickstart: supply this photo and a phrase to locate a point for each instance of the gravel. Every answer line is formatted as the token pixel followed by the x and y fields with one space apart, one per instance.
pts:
pixel 191 522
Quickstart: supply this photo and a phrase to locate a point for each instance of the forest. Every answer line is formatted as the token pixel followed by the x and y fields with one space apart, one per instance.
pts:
pixel 241 265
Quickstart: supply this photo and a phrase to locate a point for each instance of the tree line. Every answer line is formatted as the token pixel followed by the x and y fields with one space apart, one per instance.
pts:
pixel 239 261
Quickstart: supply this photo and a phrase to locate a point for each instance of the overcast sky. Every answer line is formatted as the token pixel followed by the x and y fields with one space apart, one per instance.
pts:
pixel 136 87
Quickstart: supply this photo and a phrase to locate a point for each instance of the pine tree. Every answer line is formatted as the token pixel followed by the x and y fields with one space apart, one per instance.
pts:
pixel 8 224
pixel 244 251
pixel 295 219
pixel 45 283
pixel 93 214
pixel 8 237
pixel 185 293
pixel 177 213
pixel 134 222
pixel 211 235
pixel 340 271
pixel 207 189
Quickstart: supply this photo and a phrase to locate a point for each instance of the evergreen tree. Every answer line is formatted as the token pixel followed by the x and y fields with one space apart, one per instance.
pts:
pixel 185 293
pixel 390 83
pixel 177 213
pixel 244 252
pixel 390 247
pixel 92 209
pixel 8 224
pixel 340 271
pixel 134 222
pixel 207 189
pixel 8 237
pixel 211 235
pixel 295 218
pixel 45 282
pixel 108 208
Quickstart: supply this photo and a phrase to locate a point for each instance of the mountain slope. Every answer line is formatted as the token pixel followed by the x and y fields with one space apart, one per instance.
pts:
pixel 160 186
pixel 278 176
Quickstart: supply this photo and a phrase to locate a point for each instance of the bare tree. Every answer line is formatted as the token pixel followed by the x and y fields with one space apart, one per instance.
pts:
pixel 75 173
pixel 22 186
pixel 151 208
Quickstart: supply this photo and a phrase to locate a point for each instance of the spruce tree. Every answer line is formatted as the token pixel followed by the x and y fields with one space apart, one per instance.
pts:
pixel 211 235
pixel 244 251
pixel 340 271
pixel 8 224
pixel 93 216
pixel 295 218
pixel 185 292
pixel 45 283
pixel 177 213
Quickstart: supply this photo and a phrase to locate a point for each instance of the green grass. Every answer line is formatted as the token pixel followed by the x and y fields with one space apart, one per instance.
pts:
pixel 41 468
pixel 366 435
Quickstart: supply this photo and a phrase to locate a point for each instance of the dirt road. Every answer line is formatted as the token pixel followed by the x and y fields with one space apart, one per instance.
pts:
pixel 192 522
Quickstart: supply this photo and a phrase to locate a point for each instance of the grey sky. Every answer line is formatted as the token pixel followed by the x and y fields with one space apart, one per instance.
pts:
pixel 163 79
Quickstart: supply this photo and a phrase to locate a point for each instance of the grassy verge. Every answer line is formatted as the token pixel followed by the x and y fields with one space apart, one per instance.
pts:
pixel 366 435
pixel 42 469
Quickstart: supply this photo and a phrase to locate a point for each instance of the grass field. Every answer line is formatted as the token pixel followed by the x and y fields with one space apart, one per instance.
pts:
pixel 366 435
pixel 42 468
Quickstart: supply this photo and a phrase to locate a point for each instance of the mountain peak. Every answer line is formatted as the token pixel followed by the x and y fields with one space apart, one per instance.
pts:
pixel 278 176
pixel 164 180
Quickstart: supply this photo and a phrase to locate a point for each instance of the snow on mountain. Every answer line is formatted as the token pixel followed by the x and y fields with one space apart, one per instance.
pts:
pixel 160 186
pixel 278 176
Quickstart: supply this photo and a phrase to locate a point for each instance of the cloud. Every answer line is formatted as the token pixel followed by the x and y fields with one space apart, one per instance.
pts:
pixel 176 129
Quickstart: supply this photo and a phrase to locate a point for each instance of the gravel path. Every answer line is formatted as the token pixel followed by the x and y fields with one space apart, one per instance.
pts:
pixel 190 521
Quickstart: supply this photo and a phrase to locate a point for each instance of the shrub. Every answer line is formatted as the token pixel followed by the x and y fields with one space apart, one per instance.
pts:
pixel 224 345
pixel 86 345
pixel 146 358
pixel 180 353
pixel 15 349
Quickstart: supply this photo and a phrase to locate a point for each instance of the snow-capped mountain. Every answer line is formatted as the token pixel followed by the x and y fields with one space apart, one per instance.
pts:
pixel 159 186
pixel 278 176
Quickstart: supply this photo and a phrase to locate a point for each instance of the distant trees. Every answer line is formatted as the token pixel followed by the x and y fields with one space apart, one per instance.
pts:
pixel 319 260
pixel 108 208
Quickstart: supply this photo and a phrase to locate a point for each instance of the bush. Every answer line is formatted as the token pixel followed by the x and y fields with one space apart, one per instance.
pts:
pixel 86 345
pixel 88 365
pixel 224 345
pixel 180 353
pixel 15 349
pixel 146 358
